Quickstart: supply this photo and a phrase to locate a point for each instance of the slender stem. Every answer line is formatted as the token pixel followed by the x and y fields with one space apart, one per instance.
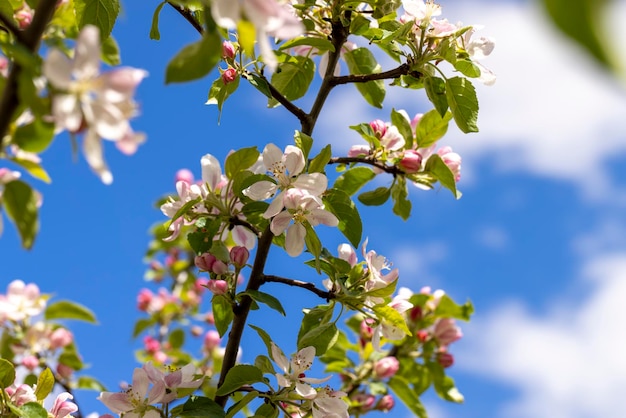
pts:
pixel 189 17
pixel 30 40
pixel 243 308
pixel 403 69
pixel 295 110
pixel 299 283
pixel 391 169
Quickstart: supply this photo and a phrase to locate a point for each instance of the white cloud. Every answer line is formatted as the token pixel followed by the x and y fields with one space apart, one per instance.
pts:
pixel 569 363
pixel 551 113
pixel 492 237
pixel 415 263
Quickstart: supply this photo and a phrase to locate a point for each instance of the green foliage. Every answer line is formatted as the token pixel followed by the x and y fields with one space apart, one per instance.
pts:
pixel 45 384
pixel 266 299
pixel 7 373
pixel 375 197
pixel 436 91
pixel 240 160
pixel 222 312
pixel 351 180
pixel 195 60
pixel 32 410
pixel 238 376
pixel 463 103
pixel 442 172
pixel 66 309
pixel 341 205
pixel 20 202
pixel 401 388
pixel 318 164
pixel 292 77
pixel 220 91
pixel 101 13
pixel 200 407
pixel 154 28
pixel 35 136
pixel 431 128
pixel 362 61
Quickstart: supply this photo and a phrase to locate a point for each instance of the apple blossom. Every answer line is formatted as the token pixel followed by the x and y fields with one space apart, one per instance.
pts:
pixel 293 371
pixel 411 161
pixel 211 340
pixel 136 401
pixel 376 264
pixel 477 50
pixel 328 404
pixel 300 206
pixel 184 175
pixel 228 50
pixel 239 256
pixel 229 75
pixel 21 301
pixel 62 407
pixel 347 253
pixel 446 332
pixel 182 378
pixel 386 367
pixel 101 102
pixel 217 287
pixel 21 394
pixel 386 403
pixel 269 17
pixel 452 160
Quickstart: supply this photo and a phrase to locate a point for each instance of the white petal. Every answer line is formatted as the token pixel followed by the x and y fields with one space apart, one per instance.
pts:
pixel 275 207
pixel 226 13
pixel 305 390
pixel 67 112
pixel 294 240
pixel 321 216
pixel 280 222
pixel 294 160
pixel 92 149
pixel 314 183
pixel 211 171
pixel 279 358
pixel 261 190
pixel 108 120
pixel 244 237
pixel 87 55
pixel 271 155
pixel 58 69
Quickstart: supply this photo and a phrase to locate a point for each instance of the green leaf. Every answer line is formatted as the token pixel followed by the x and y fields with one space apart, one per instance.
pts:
pixel 154 29
pixel 582 21
pixel 101 13
pixel 444 385
pixel 260 84
pixel 322 338
pixel 265 364
pixel 7 373
pixel 292 77
pixel 313 318
pixel 404 127
pixel 463 103
pixel 20 202
pixel 467 68
pixel 240 160
pixel 353 179
pixel 33 169
pixel 201 407
pixel 266 410
pixel 318 164
pixel 362 61
pixel 341 205
pixel 431 127
pixel 219 92
pixel 34 137
pixel 71 359
pixel 195 60
pixel 223 313
pixel 436 92
pixel 201 240
pixel 238 376
pixel 401 203
pixel 141 325
pixel 321 44
pixel 304 142
pixel 448 308
pixel 176 338
pixel 90 383
pixel 442 172
pixel 65 309
pixel 266 299
pixel 403 391
pixel 375 197
pixel 32 410
pixel 392 317
pixel 267 340
pixel 249 397
pixel 111 52
pixel 45 384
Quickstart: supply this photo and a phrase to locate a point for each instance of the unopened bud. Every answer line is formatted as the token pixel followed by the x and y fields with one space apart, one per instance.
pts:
pixel 379 127
pixel 386 367
pixel 60 338
pixel 411 161
pixel 218 287
pixel 30 362
pixel 205 261
pixel 211 340
pixel 228 50
pixel 184 175
pixel 445 359
pixel 229 75
pixel 239 256
pixel 386 403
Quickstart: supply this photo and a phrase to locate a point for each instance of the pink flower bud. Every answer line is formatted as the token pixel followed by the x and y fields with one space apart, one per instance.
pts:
pixel 365 401
pixel 446 332
pixel 219 267
pixel 358 150
pixel 64 371
pixel 60 338
pixel 151 345
pixel 423 335
pixel 239 256
pixel 229 75
pixel 445 359
pixel 386 403
pixel 205 261
pixel 160 357
pixel 411 161
pixel 209 318
pixel 379 127
pixel 24 16
pixel 143 299
pixel 218 287
pixel 22 395
pixel 200 285
pixel 30 362
pixel 386 367
pixel 184 175
pixel 212 340
pixel 228 50
pixel 416 314
pixel 366 329
pixel 452 160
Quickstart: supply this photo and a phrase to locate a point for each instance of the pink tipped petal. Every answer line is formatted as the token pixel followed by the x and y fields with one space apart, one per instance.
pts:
pixel 294 160
pixel 261 190
pixel 294 240
pixel 116 402
pixel 211 171
pixel 244 237
pixel 120 84
pixel 129 143
pixel 280 222
pixel 321 216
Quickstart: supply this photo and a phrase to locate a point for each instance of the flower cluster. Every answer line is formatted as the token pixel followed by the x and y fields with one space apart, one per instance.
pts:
pixel 100 104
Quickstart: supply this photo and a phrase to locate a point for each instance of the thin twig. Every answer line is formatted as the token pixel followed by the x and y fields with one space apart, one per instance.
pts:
pixel 189 17
pixel 391 169
pixel 299 283
pixel 292 108
pixel 403 69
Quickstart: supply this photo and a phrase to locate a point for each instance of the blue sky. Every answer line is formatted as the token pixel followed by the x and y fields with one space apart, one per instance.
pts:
pixel 538 241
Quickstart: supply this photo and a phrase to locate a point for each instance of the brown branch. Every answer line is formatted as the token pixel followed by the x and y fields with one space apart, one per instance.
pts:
pixel 299 283
pixel 243 308
pixel 292 108
pixel 30 40
pixel 189 17
pixel 391 169
pixel 236 221
pixel 403 69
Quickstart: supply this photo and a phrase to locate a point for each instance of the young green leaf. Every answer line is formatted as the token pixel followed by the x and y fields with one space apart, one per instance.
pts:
pixel 375 197
pixel 318 164
pixel 351 180
pixel 7 373
pixel 404 127
pixel 266 299
pixel 463 103
pixel 154 29
pixel 361 61
pixel 341 205
pixel 240 160
pixel 431 127
pixel 223 313
pixel 293 77
pixel 195 60
pixel 65 309
pixel 436 92
pixel 403 391
pixel 238 376
pixel 200 407
pixel 101 13
pixel 322 338
pixel 20 202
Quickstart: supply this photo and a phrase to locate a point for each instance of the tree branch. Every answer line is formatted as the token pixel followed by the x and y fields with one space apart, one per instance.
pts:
pixel 391 169
pixel 299 283
pixel 241 311
pixel 292 108
pixel 30 40
pixel 189 17
pixel 403 69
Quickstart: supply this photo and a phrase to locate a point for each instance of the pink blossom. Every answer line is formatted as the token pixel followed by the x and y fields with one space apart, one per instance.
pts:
pixel 21 301
pixel 30 362
pixel 205 261
pixel 386 403
pixel 411 161
pixel 24 16
pixel 445 359
pixel 218 287
pixel 184 175
pixel 364 401
pixel 182 378
pixel 21 394
pixel 135 402
pixel 62 407
pixel 359 151
pixel 347 253
pixel 229 75
pixel 211 340
pixel 61 337
pixel 239 256
pixel 386 367
pixel 379 127
pixel 228 50
pixel 151 344
pixel 143 299
pixel 446 332
pixel 452 160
